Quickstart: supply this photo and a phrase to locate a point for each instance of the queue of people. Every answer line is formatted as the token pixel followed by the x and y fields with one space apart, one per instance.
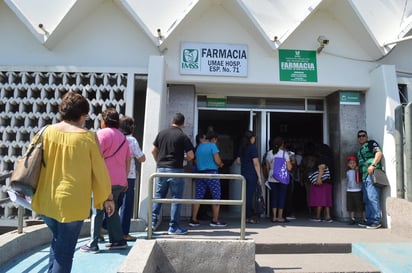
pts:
pixel 314 174
pixel 97 170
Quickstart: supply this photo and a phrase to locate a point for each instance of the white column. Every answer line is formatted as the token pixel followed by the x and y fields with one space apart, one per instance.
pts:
pixel 155 117
pixel 380 103
pixel 130 95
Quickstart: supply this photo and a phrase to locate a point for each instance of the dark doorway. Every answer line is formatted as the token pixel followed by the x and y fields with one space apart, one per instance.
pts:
pixel 297 128
pixel 230 125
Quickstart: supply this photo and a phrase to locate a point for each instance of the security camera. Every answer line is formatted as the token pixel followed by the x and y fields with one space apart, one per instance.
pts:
pixel 323 40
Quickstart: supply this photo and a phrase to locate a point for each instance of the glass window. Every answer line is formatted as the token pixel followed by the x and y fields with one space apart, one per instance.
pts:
pixel 295 104
pixel 315 105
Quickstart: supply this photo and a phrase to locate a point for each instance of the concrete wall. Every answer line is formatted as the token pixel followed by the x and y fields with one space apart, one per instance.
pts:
pixel 400 212
pixel 161 104
pixel 181 98
pixel 344 121
pixel 187 256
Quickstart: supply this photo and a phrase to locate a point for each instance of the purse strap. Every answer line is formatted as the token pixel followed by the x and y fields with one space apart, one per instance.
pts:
pixel 40 133
pixel 118 148
pixel 39 139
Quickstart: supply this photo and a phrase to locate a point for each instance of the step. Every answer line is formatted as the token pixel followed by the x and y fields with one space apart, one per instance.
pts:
pixel 305 248
pixel 313 263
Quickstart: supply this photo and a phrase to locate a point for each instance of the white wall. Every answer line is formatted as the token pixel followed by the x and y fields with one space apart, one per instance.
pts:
pixel 401 56
pixel 346 71
pixel 107 37
pixel 380 103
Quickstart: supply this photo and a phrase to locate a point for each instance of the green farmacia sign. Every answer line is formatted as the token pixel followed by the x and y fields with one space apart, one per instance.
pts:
pixel 297 65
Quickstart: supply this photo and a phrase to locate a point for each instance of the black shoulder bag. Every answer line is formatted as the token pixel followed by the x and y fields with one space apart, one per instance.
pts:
pixel 379 178
pixel 118 148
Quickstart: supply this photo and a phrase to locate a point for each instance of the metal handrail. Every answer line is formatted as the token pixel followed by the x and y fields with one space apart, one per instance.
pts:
pixel 241 202
pixel 20 209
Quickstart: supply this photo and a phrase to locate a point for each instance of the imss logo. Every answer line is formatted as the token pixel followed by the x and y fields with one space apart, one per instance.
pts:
pixel 190 58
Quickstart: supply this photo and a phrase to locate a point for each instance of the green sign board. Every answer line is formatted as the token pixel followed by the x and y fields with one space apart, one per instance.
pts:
pixel 297 65
pixel 352 98
pixel 216 102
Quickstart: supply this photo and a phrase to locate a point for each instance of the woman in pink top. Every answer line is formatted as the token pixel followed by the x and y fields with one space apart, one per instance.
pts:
pixel 116 153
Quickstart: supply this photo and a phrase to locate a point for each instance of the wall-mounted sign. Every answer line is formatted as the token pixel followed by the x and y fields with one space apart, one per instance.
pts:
pixel 352 98
pixel 297 65
pixel 213 59
pixel 216 102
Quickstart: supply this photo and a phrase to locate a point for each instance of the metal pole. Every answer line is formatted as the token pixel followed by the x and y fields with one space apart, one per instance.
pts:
pixel 150 208
pixel 243 216
pixel 20 213
pixel 400 182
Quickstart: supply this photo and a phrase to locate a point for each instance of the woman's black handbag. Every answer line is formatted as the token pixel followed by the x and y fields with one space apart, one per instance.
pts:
pixel 260 205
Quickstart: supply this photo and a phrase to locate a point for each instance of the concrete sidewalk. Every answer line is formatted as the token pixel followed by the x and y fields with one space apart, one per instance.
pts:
pixel 297 246
pixel 304 246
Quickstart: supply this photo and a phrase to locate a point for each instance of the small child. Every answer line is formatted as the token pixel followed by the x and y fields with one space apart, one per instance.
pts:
pixel 354 200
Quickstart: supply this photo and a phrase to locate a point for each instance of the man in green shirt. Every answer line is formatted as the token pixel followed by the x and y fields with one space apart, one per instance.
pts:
pixel 369 157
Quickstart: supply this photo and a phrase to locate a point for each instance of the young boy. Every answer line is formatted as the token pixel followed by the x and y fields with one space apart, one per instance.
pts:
pixel 354 200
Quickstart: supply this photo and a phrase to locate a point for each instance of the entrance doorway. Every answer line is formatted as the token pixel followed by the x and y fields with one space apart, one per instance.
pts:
pixel 298 129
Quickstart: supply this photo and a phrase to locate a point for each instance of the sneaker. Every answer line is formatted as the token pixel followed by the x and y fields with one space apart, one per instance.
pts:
pixel 290 217
pixel 194 223
pixel 217 224
pixel 330 220
pixel 362 223
pixel 122 244
pixel 90 249
pixel 154 227
pixel 373 226
pixel 176 231
pixel 315 219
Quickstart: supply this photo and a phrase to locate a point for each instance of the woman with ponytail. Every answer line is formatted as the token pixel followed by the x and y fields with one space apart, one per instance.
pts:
pixel 248 159
pixel 278 190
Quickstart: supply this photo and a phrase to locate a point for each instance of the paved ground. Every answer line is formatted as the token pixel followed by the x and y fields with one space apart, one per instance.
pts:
pixel 277 246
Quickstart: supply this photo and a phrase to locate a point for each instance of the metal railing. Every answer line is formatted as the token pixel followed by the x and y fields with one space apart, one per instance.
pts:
pixel 240 202
pixel 20 209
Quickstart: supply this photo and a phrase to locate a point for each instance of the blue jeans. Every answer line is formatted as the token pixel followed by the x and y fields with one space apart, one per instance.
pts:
pixel 63 244
pixel 176 186
pixel 251 186
pixel 126 209
pixel 371 198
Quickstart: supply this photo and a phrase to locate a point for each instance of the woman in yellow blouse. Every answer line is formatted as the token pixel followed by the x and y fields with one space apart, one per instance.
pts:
pixel 74 169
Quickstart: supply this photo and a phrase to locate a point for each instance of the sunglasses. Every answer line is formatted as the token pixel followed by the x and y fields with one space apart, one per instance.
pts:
pixel 363 135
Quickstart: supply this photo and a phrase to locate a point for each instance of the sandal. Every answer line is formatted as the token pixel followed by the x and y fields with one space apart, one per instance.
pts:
pixel 250 221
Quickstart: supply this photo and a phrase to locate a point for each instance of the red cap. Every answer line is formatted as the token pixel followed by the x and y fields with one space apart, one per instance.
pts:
pixel 351 158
